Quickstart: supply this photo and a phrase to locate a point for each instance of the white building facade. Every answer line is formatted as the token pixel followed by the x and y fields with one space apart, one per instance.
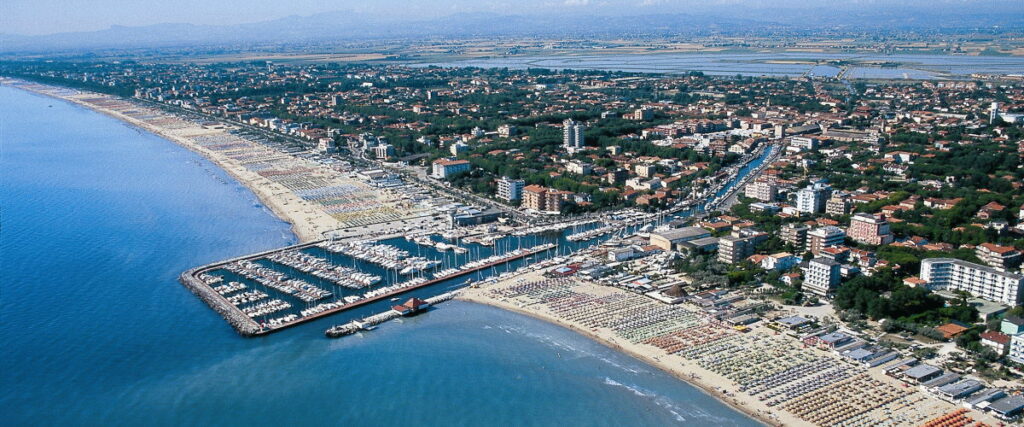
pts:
pixel 572 134
pixel 821 276
pixel 979 280
pixel 510 189
pixel 812 198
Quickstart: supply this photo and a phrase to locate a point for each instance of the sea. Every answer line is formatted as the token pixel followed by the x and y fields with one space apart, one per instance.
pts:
pixel 98 219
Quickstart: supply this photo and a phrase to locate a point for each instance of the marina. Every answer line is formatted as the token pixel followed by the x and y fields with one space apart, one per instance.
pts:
pixel 314 280
pixel 278 289
pixel 323 269
pixel 383 255
pixel 590 234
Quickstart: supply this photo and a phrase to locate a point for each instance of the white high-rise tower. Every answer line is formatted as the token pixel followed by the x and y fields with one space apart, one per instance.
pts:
pixel 572 134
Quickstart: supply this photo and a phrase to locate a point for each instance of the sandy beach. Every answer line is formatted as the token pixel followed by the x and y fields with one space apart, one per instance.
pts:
pixel 733 367
pixel 649 356
pixel 706 381
pixel 276 178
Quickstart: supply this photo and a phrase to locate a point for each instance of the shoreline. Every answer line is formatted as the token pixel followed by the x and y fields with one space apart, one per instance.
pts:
pixel 656 363
pixel 769 377
pixel 260 189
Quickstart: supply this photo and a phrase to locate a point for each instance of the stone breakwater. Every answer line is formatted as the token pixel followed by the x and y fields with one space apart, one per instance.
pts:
pixel 243 324
pixel 238 320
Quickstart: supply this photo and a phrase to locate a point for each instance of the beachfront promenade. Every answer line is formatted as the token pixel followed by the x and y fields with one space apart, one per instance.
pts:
pixel 770 376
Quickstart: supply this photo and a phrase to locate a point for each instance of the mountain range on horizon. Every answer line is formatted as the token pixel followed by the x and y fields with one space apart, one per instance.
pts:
pixel 351 26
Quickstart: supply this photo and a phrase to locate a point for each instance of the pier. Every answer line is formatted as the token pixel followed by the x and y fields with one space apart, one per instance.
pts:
pixel 370 321
pixel 201 282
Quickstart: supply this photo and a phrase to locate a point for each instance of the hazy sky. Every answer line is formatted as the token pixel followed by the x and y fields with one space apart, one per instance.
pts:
pixel 52 16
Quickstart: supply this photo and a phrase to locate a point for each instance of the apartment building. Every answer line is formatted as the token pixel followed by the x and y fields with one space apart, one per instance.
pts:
pixel 823 237
pixel 812 198
pixel 837 206
pixel 870 229
pixel 534 197
pixel 739 245
pixel 445 168
pixel 821 276
pixel 510 189
pixel 1001 257
pixel 795 234
pixel 764 191
pixel 979 280
pixel 572 134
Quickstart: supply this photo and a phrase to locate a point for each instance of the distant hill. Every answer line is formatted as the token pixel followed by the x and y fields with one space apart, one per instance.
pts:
pixel 341 26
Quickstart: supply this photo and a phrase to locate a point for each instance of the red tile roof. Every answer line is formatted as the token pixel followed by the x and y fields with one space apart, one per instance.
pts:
pixel 446 162
pixel 996 337
pixel 951 330
pixel 997 248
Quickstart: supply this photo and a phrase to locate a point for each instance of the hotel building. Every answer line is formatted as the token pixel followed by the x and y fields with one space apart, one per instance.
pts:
pixel 869 229
pixel 979 280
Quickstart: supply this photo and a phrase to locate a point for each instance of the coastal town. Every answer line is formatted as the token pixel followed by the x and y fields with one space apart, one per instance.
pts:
pixel 812 251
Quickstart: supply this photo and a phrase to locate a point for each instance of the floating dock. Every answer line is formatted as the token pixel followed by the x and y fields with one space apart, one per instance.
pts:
pixel 246 326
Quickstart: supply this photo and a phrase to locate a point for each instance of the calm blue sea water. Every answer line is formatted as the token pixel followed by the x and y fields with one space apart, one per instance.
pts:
pixel 98 219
